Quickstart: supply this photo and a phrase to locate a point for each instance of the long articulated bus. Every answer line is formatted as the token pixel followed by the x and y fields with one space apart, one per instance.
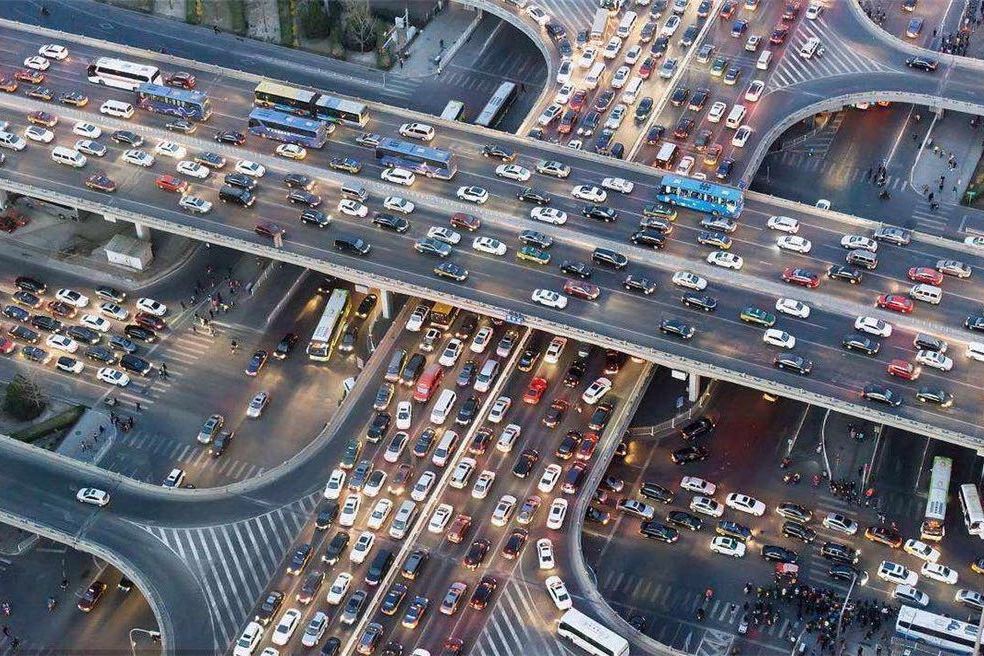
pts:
pixel 970 506
pixel 188 104
pixel 329 329
pixel 280 126
pixel 431 162
pixel 936 630
pixel 700 195
pixel 496 108
pixel 314 104
pixel 122 74
pixel 939 484
pixel 591 636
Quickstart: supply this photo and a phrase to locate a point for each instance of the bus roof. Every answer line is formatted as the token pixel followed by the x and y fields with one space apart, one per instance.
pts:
pixel 723 191
pixel 341 104
pixel 292 120
pixel 499 98
pixel 122 65
pixel 184 95
pixel 302 95
pixel 413 150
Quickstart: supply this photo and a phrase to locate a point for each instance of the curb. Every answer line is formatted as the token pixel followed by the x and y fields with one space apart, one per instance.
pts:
pixel 449 54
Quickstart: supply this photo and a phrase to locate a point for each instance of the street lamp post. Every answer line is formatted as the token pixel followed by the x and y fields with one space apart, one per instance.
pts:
pixel 153 635
pixel 840 616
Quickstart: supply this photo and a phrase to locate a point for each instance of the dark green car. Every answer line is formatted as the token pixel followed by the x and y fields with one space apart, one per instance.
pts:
pixel 758 316
pixel 352 451
pixel 533 254
pixel 718 66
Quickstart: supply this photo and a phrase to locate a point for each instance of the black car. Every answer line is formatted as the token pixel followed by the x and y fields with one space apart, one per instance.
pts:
pixel 299 559
pixel 23 333
pixel 46 323
pixel 16 313
pixel 84 334
pixel 597 515
pixel 794 511
pixel 659 531
pixel 534 238
pixel 531 195
pixel 211 160
pixel 635 283
pixel 723 171
pixel 656 492
pixel 127 137
pixel 391 222
pixel 697 428
pixel 609 258
pixel 659 47
pixel 394 597
pixel 100 354
pixel 346 164
pixel 648 238
pixel 600 213
pixel 352 246
pixel 467 327
pixel 777 554
pixel 793 362
pixel 685 520
pixel 298 181
pixel 934 395
pixel 230 137
pixel 617 150
pixel 315 217
pixel 468 410
pixel 658 225
pixel 689 454
pixel 414 564
pixel 881 394
pixel 241 180
pixel 498 152
pixel 575 373
pixel 335 548
pixel 180 125
pixel 589 124
pixel 285 345
pixel 29 284
pixel 840 553
pixel 525 463
pixel 269 607
pixel 844 272
pixel 424 442
pixel 846 573
pixel 600 417
pixel 861 343
pixel 221 443
pixel 604 100
pixel 135 364
pixel 922 63
pixel 975 322
pixel 378 427
pixel 528 359
pixel 483 593
pixel 27 298
pixel 799 531
pixel 578 269
pixel 679 96
pixel 139 333
pixel 34 353
pixel 699 301
pixel 301 197
pixel 643 110
pixel 678 328
pixel 568 445
pixel 451 270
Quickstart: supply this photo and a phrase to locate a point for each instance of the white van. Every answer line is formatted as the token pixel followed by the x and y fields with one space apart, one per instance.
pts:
pixel 632 90
pixel 485 377
pixel 735 117
pixel 975 351
pixel 117 108
pixel 625 27
pixel 442 408
pixel 12 141
pixel 405 515
pixel 927 293
pixel 68 156
pixel 594 75
pixel 355 192
pixel 810 47
pixel 765 58
pixel 445 448
pixel 420 131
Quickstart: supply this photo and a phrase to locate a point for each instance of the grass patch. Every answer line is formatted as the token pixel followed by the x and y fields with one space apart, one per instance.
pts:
pixel 60 421
pixel 194 12
pixel 286 10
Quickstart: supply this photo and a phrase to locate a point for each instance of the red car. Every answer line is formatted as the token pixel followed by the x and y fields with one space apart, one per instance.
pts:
pixel 42 118
pixel 147 320
pixel 535 391
pixel 801 277
pixel 466 221
pixel 6 346
pixel 29 75
pixel 791 11
pixel 728 9
pixel 567 122
pixel 895 302
pixel 180 79
pixel 582 289
pixel 926 275
pixel 171 183
pixel 269 229
pixel 578 99
pixel 100 182
pixel 903 369
pixel 646 69
pixel 779 35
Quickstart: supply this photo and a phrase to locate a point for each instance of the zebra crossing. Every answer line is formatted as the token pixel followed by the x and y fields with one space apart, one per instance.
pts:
pixel 839 57
pixel 574 14
pixel 218 557
pixel 512 627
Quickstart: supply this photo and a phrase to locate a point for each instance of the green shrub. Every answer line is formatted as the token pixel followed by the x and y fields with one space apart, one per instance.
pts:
pixel 59 422
pixel 24 399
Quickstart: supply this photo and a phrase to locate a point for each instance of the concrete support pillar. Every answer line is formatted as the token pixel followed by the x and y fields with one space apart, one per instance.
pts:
pixel 693 387
pixel 386 304
pixel 143 232
pixel 4 199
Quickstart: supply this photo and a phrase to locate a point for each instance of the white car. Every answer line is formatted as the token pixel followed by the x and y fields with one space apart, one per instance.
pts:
pixel 352 208
pixel 895 573
pixel 473 194
pixel 404 415
pixel 150 306
pixel 545 554
pixel 257 404
pixel 558 593
pixel 398 204
pixel 783 224
pixel 698 485
pixel 726 260
pixel 558 511
pixel 350 510
pixel 564 72
pixel 976 241
pixel 291 151
pixel 379 513
pixel 779 338
pixel 335 485
pixel 62 343
pixel 855 242
pixel 489 245
pixel 314 631
pixel 338 588
pixel 554 349
pixel 614 120
pixel 550 215
pixel 72 297
pixel 741 136
pixel 539 16
pixel 745 504
pixel 508 438
pixel 689 280
pixel 96 322
pixel 417 318
pixel 596 390
pixel 549 478
pixel 195 204
pixel 611 48
pixel 550 114
pixel 499 409
pixel 286 627
pixel 114 311
pixel 38 63
pixel 170 149
pixel 716 111
pixel 940 573
pixel 439 520
pixel 423 486
pixel 911 595
pixel 248 640
pixel 873 326
pixel 706 506
pixel 549 298
pixel 840 523
pixel 793 308
pixel 503 510
pixel 632 55
pixel 686 165
pixel 620 185
pixel 39 134
pixel 794 243
pixel 588 56
pixel 53 51
pixel 90 147
pixel 92 496
pixel 563 95
pixel 374 484
pixel 250 168
pixel 113 376
pixel 451 352
pixel 728 546
pixel 754 91
pixel 420 131
pixel 511 172
pixel 590 193
pixel 481 340
pixel 138 157
pixel 621 76
pixel 193 169
pixel 921 550
pixel 483 484
pixel 362 547
pixel 970 598
pixel 398 175
pixel 934 359
pixel 87 130
pixel 71 365
pixel 814 10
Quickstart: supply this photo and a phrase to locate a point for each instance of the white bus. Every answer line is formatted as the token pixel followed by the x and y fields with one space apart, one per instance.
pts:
pixel 591 636
pixel 123 74
pixel 599 25
pixel 939 484
pixel 973 513
pixel 936 630
pixel 453 111
pixel 329 328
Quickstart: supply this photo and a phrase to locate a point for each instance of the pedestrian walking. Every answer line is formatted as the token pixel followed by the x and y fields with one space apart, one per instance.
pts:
pixel 211 314
pixel 137 404
pixel 6 630
pixel 194 329
pixel 183 305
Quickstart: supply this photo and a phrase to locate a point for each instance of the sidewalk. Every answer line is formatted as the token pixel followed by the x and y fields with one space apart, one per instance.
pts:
pixel 435 45
pixel 951 149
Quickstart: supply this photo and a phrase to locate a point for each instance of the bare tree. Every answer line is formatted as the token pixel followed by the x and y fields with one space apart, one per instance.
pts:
pixel 360 25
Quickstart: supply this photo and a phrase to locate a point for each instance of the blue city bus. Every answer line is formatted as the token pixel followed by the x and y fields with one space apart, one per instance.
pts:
pixel 187 104
pixel 432 162
pixel 700 195
pixel 285 98
pixel 271 124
